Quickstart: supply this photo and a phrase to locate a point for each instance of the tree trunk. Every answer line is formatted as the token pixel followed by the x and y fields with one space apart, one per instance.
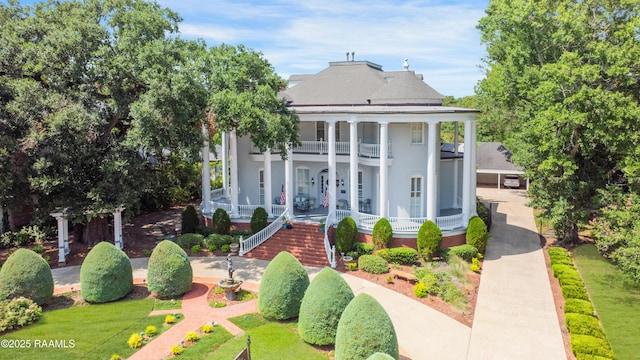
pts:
pixel 78 233
pixel 97 230
pixel 571 233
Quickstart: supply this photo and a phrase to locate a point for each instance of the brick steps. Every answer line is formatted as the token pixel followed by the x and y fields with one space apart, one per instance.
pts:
pixel 304 242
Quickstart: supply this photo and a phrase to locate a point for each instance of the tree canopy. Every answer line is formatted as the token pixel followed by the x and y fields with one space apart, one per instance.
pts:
pixel 563 82
pixel 89 89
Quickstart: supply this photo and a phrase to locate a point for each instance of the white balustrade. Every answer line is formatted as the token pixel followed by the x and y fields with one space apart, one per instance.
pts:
pixel 449 222
pixel 261 236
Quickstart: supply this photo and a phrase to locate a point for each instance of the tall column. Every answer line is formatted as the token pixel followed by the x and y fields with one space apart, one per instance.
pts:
pixel 353 168
pixel 466 173
pixel 233 158
pixel 267 182
pixel 432 172
pixel 63 235
pixel 474 172
pixel 225 163
pixel 331 139
pixel 456 176
pixel 117 227
pixel 206 174
pixel 288 181
pixel 384 170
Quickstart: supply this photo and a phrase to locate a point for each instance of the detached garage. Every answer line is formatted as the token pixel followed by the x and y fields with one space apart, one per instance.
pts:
pixel 494 165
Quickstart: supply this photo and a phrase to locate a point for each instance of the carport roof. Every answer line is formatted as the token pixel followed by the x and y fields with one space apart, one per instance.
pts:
pixel 494 158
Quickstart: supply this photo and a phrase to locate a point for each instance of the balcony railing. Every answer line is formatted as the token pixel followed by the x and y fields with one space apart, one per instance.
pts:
pixel 342 148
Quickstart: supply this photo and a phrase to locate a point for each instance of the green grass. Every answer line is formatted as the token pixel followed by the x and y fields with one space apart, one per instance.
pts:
pixel 615 298
pixel 208 342
pixel 97 331
pixel 167 304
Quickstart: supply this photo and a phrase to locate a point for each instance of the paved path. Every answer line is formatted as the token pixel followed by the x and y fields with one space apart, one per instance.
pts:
pixel 515 314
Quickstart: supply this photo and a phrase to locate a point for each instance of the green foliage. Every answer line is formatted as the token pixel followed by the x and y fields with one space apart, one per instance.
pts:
pixel 465 252
pixel 367 319
pixel 475 265
pixel 450 293
pixel 172 181
pixel 429 239
pixel 282 287
pixel 373 264
pixel 206 328
pixel 169 319
pixel 580 324
pixel 361 248
pixel 578 306
pixel 259 219
pixel 187 241
pixel 195 249
pixel 574 292
pixel 106 274
pixel 400 255
pixel 477 234
pixel 380 356
pixel 22 237
pixel 135 341
pixel 225 248
pixel 177 350
pixel 204 230
pixel 561 269
pixel 221 222
pixel 190 220
pixel 352 266
pixel 151 330
pixel 324 301
pixel 192 336
pixel 18 312
pixel 585 344
pixel 382 234
pixel 218 240
pixel 346 235
pixel 421 290
pixel 169 272
pixel 26 274
pixel 483 213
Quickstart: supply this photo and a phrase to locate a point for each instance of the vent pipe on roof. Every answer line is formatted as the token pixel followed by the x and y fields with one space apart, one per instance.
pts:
pixel 405 65
pixel 347 56
pixel 353 56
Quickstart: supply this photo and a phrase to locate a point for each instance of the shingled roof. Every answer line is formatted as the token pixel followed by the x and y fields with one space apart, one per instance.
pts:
pixel 493 156
pixel 360 83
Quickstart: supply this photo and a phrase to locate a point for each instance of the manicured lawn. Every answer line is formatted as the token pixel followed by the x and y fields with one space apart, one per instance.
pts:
pixel 615 298
pixel 208 343
pixel 97 331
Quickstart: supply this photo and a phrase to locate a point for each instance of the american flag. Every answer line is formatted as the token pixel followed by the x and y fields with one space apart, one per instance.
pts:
pixel 326 199
pixel 282 198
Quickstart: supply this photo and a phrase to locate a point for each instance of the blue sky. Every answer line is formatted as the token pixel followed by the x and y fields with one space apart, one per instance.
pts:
pixel 302 36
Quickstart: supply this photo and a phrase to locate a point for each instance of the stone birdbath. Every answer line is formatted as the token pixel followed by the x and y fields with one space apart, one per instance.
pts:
pixel 230 286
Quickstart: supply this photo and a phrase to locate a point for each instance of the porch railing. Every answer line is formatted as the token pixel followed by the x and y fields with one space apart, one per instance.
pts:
pixel 261 236
pixel 246 211
pixel 342 148
pixel 410 225
pixel 328 248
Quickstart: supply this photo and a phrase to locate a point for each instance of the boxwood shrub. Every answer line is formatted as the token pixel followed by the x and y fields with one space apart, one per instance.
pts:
pixel 558 269
pixel 382 234
pixel 326 298
pixel 465 252
pixel 477 234
pixel 106 274
pixel 169 272
pixel 380 356
pixel 574 292
pixel 578 306
pixel 590 345
pixel 187 241
pixel 259 219
pixel 361 248
pixel 218 240
pixel 400 255
pixel 373 264
pixel 580 324
pixel 364 329
pixel 190 220
pixel 221 222
pixel 26 274
pixel 429 239
pixel 282 287
pixel 346 234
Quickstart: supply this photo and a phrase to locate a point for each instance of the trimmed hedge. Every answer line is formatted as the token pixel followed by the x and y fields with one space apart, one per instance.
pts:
pixel 574 292
pixel 477 234
pixel 429 239
pixel 26 274
pixel 282 288
pixel 380 356
pixel 382 234
pixel 400 255
pixel 590 345
pixel 346 235
pixel 580 324
pixel 465 252
pixel 221 222
pixel 373 264
pixel 361 248
pixel 578 306
pixel 190 220
pixel 324 302
pixel 259 219
pixel 559 269
pixel 364 329
pixel 218 240
pixel 187 241
pixel 170 273
pixel 106 274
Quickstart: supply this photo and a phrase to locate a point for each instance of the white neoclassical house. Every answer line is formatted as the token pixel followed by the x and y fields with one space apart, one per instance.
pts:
pixel 370 148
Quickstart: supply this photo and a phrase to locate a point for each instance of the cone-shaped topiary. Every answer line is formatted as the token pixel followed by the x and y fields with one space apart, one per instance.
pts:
pixel 380 356
pixel 170 273
pixel 282 287
pixel 190 220
pixel 364 329
pixel 429 239
pixel 105 274
pixel 259 219
pixel 326 298
pixel 221 222
pixel 27 274
pixel 477 234
pixel 382 234
pixel 346 235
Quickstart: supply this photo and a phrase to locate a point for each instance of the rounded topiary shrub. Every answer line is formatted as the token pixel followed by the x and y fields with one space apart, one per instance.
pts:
pixel 364 329
pixel 221 222
pixel 106 274
pixel 26 274
pixel 466 252
pixel 187 241
pixel 578 306
pixel 381 234
pixel 326 298
pixel 380 356
pixel 429 239
pixel 373 264
pixel 169 273
pixel 346 235
pixel 190 220
pixel 259 220
pixel 282 287
pixel 477 234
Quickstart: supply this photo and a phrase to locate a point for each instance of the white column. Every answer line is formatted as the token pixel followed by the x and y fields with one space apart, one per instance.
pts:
pixel 267 182
pixel 331 139
pixel 225 163
pixel 117 227
pixel 432 172
pixel 233 158
pixel 384 170
pixel 466 173
pixel 353 168
pixel 288 181
pixel 474 173
pixel 206 174
pixel 63 237
pixel 456 176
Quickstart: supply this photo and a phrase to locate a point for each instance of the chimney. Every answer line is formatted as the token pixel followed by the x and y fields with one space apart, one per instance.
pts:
pixel 347 56
pixel 353 56
pixel 405 65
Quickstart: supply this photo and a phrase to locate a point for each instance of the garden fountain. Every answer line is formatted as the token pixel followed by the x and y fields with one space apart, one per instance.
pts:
pixel 230 285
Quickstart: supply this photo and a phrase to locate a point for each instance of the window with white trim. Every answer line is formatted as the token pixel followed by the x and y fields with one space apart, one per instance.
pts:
pixel 303 183
pixel 417 133
pixel 415 210
pixel 261 185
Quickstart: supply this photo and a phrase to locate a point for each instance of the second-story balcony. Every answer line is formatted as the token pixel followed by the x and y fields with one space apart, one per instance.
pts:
pixel 342 148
